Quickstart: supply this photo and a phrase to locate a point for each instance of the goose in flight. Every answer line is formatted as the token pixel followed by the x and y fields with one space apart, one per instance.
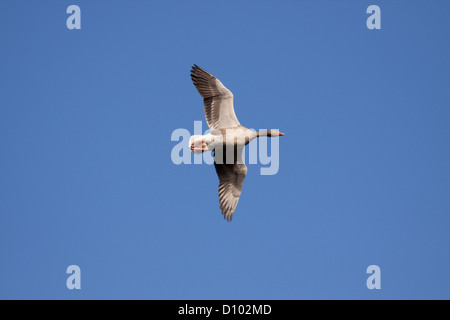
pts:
pixel 226 139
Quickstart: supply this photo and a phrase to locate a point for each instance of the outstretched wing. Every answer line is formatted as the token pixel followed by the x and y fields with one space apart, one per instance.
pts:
pixel 231 177
pixel 217 99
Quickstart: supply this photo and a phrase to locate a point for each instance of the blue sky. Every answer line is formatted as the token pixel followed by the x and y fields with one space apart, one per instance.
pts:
pixel 86 176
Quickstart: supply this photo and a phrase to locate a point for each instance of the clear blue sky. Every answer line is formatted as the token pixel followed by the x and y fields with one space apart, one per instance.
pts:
pixel 86 176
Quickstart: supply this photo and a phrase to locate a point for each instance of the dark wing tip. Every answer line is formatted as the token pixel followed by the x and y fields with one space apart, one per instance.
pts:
pixel 195 71
pixel 227 216
pixel 200 72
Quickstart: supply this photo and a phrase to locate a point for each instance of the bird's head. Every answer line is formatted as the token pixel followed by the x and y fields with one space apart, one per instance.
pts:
pixel 274 133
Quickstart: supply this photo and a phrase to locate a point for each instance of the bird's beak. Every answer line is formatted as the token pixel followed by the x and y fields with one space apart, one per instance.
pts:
pixel 281 134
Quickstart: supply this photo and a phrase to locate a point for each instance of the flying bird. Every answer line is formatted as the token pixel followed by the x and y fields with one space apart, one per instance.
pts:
pixel 226 139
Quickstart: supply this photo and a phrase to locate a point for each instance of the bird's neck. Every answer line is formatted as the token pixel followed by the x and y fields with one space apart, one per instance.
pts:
pixel 262 133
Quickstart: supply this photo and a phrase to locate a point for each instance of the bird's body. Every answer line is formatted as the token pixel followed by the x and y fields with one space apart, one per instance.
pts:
pixel 237 136
pixel 226 139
